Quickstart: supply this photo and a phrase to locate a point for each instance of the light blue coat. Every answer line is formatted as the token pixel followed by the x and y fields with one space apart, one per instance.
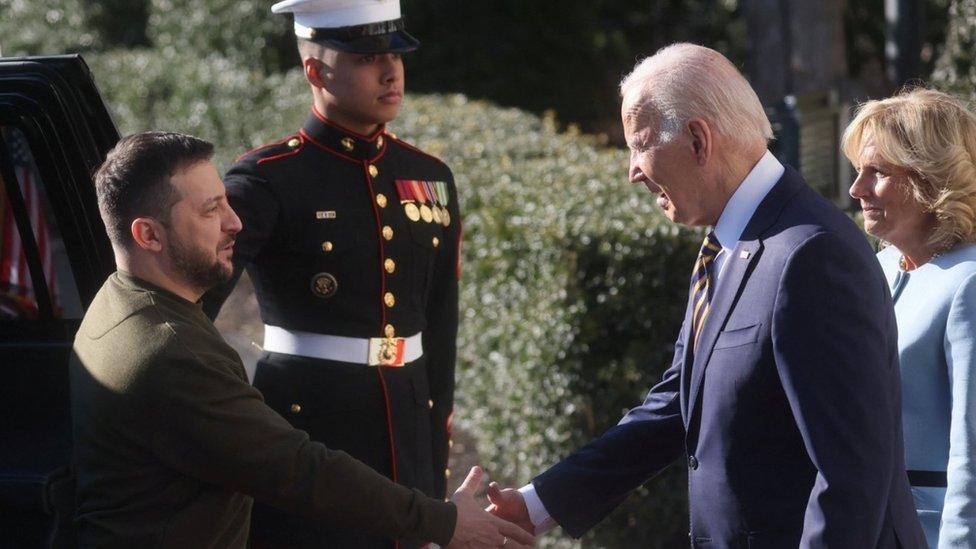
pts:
pixel 935 306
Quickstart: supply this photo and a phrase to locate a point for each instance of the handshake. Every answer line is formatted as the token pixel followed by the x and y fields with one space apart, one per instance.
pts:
pixel 505 523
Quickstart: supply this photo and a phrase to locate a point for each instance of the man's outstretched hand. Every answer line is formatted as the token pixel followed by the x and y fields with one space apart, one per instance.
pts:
pixel 509 505
pixel 476 528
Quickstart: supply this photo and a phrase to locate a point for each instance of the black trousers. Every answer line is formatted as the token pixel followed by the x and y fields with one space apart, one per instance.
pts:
pixel 344 406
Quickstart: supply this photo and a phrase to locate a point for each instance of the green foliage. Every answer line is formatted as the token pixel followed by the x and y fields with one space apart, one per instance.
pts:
pixel 567 56
pixel 241 30
pixel 212 97
pixel 956 69
pixel 573 285
pixel 864 34
pixel 120 23
pixel 33 27
pixel 38 27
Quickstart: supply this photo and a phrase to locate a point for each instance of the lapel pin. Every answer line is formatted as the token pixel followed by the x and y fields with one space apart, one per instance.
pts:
pixel 744 254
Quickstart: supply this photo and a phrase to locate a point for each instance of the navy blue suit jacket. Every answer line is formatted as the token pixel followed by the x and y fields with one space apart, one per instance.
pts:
pixel 788 413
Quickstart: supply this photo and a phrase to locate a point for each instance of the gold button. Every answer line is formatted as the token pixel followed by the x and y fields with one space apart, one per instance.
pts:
pixel 430 404
pixel 348 143
pixel 447 473
pixel 436 241
pixel 379 142
pixel 450 444
pixel 294 142
pixel 373 170
pixel 389 331
pixel 388 232
pixel 389 265
pixel 381 200
pixel 296 408
pixel 326 246
pixel 389 299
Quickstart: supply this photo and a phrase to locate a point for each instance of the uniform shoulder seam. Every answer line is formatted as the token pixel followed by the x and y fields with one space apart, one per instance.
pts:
pixel 260 148
pixel 413 148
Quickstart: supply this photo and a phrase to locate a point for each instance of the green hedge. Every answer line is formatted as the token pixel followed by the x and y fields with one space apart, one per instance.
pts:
pixel 242 30
pixel 955 71
pixel 46 26
pixel 573 285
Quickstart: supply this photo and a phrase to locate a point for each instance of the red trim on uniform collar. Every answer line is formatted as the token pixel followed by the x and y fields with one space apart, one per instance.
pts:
pixel 308 137
pixel 327 122
pixel 379 154
pixel 327 148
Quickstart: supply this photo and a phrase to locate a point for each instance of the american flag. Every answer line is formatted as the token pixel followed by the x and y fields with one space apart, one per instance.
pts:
pixel 17 296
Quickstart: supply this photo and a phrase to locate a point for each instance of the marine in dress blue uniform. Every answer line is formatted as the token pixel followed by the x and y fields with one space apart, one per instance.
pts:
pixel 351 241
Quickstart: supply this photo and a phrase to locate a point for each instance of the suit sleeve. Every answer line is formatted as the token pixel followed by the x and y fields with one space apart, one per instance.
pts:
pixel 252 199
pixel 440 342
pixel 579 491
pixel 959 513
pixel 832 340
pixel 211 425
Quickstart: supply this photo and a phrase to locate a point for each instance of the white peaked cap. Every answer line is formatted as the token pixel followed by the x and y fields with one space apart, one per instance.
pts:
pixel 330 14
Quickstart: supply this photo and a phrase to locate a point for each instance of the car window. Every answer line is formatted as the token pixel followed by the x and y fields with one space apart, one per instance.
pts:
pixel 19 292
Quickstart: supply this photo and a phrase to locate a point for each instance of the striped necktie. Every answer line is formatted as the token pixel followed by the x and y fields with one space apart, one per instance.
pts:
pixel 702 285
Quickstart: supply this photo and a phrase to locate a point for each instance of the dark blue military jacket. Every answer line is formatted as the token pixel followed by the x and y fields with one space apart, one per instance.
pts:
pixel 335 243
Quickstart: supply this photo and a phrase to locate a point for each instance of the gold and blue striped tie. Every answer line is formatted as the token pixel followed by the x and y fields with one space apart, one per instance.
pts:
pixel 702 285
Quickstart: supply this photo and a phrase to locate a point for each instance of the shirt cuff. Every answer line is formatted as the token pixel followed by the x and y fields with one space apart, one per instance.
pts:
pixel 537 511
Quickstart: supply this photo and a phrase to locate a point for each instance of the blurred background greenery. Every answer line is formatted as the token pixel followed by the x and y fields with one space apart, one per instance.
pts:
pixel 573 285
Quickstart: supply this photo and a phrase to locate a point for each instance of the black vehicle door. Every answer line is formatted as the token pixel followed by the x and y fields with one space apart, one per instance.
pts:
pixel 54 255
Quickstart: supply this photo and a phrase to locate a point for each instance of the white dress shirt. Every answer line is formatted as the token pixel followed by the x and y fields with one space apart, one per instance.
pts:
pixel 735 216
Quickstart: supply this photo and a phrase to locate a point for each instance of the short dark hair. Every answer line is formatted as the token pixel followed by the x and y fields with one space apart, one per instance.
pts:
pixel 134 180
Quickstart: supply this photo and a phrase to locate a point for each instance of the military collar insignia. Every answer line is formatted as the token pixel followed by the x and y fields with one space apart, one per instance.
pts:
pixel 348 144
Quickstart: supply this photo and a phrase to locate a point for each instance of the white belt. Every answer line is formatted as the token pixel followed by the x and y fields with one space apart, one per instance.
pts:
pixel 373 351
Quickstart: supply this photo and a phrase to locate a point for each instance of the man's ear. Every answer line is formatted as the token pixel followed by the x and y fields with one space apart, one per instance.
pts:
pixel 146 233
pixel 314 72
pixel 702 140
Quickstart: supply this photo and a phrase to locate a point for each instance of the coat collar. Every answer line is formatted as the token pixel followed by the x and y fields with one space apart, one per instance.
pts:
pixel 343 142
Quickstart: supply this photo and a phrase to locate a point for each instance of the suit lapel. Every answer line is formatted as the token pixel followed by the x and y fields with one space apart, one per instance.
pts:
pixel 730 284
pixel 732 279
pixel 685 336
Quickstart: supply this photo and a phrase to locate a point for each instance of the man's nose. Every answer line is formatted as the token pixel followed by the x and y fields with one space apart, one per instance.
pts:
pixel 393 68
pixel 635 175
pixel 232 223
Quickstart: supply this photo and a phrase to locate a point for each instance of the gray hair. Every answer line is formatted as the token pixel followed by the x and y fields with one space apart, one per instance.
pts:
pixel 683 81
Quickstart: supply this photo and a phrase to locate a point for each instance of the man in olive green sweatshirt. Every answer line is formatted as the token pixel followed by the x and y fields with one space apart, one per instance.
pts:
pixel 171 442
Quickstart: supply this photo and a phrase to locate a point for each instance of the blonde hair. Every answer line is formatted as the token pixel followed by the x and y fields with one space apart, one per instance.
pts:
pixel 933 136
pixel 683 81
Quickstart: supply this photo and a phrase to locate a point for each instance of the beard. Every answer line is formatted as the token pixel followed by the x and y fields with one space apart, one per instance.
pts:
pixel 197 267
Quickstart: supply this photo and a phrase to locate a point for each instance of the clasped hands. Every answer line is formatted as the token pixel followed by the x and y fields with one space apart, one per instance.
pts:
pixel 502 524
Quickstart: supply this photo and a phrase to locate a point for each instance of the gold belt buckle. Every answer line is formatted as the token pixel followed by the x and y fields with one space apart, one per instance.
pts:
pixel 386 351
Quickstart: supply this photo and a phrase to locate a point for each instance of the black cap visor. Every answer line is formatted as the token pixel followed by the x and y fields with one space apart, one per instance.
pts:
pixel 382 37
